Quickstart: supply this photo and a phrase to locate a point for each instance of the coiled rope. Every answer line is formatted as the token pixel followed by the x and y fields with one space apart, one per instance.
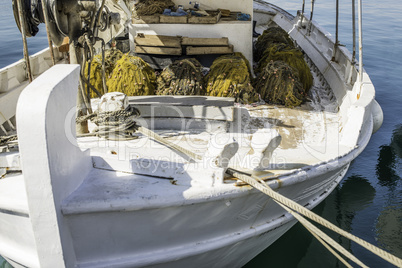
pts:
pixel 290 204
pixel 114 123
pixel 120 125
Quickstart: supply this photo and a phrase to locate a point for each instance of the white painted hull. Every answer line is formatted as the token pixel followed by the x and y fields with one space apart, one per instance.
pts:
pixel 67 211
pixel 226 232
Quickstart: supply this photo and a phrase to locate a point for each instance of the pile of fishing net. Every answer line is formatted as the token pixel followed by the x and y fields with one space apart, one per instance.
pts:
pixel 283 77
pixel 111 57
pixel 229 76
pixel 290 55
pixel 151 7
pixel 182 77
pixel 272 35
pixel 132 76
pixel 278 83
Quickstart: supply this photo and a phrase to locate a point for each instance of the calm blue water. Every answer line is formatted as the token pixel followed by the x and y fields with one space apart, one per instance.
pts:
pixel 368 202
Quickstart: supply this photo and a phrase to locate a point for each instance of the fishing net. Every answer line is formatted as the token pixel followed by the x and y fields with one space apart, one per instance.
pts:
pixel 293 57
pixel 111 57
pixel 229 76
pixel 279 83
pixel 151 7
pixel 182 77
pixel 272 35
pixel 132 76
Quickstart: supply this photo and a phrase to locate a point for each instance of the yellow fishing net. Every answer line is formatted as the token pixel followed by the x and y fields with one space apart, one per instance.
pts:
pixel 182 77
pixel 111 56
pixel 229 76
pixel 132 76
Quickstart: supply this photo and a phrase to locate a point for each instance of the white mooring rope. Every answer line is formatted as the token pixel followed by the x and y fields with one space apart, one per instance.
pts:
pixel 290 204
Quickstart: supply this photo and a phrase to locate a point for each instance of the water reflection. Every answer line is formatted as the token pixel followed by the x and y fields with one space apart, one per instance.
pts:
pixel 385 169
pixel 389 228
pixel 389 222
pixel 396 141
pixel 388 158
pixel 353 195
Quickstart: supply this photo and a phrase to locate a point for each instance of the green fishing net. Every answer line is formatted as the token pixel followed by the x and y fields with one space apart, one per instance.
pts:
pixel 229 76
pixel 272 35
pixel 182 77
pixel 278 83
pixel 290 55
pixel 132 76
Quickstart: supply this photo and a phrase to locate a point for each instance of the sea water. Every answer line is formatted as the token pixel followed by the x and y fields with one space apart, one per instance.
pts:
pixel 368 202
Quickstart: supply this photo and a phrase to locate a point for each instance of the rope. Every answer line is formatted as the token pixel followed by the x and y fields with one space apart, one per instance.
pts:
pixel 309 214
pixel 329 248
pixel 324 239
pixel 115 122
pixel 168 143
pixel 122 123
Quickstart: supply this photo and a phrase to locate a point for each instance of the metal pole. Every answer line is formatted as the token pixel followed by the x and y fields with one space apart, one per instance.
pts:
pixel 359 3
pixel 354 31
pixel 47 31
pixel 311 17
pixel 301 15
pixel 24 38
pixel 336 32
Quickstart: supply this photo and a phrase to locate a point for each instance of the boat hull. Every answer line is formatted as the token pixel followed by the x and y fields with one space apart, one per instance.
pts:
pixel 225 232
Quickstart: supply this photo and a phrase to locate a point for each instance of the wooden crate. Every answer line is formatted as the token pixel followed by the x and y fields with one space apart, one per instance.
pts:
pixel 158 41
pixel 190 50
pixel 189 41
pixel 214 17
pixel 172 19
pixel 158 50
pixel 146 19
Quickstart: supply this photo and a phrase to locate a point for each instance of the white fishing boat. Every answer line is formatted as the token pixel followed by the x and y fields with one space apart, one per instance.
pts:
pixel 174 198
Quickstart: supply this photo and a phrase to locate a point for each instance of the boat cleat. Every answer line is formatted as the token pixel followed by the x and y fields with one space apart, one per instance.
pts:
pixel 257 157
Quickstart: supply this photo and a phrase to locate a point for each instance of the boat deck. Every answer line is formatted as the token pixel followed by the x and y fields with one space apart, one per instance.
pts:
pixel 127 176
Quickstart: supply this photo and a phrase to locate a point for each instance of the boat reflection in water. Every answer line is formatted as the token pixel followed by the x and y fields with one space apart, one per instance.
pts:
pixel 389 222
